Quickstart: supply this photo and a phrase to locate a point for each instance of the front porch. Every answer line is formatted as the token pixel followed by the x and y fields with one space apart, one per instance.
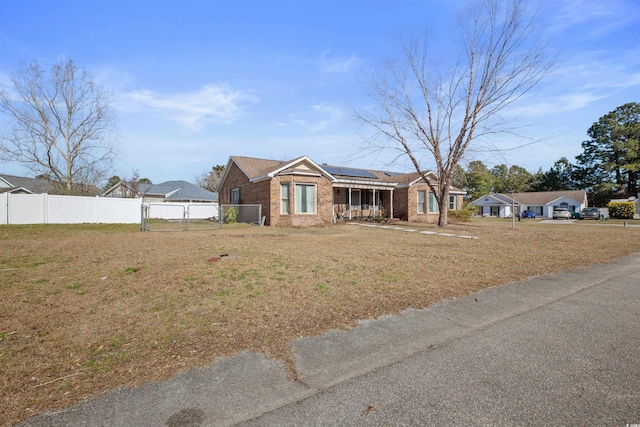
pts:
pixel 362 202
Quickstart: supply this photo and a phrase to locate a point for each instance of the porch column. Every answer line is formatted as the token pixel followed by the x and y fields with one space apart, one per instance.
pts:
pixel 374 202
pixel 391 205
pixel 349 202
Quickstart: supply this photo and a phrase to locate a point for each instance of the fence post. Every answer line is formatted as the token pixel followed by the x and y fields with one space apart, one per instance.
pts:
pixel 141 216
pixel 5 204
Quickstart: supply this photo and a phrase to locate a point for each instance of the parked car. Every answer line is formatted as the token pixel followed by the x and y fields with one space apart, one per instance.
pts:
pixel 528 214
pixel 590 213
pixel 561 213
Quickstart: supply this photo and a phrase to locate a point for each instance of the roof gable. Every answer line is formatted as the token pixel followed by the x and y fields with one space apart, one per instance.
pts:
pixel 15 190
pixel 302 166
pixel 492 199
pixel 34 185
pixel 260 169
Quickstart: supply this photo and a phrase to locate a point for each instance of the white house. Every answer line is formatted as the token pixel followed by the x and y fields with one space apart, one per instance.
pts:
pixel 540 203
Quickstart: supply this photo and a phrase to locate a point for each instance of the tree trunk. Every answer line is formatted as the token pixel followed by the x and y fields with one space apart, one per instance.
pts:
pixel 632 186
pixel 443 205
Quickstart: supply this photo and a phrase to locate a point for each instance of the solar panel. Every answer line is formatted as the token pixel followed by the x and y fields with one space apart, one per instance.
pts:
pixel 355 173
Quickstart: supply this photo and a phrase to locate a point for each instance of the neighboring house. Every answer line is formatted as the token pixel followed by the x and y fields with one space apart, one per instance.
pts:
pixel 301 192
pixel 541 203
pixel 21 185
pixel 169 191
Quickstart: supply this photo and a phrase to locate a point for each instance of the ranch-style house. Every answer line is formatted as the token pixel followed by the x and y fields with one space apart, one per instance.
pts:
pixel 541 203
pixel 301 192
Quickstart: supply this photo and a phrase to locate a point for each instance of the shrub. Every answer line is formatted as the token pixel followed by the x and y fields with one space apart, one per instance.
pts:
pixel 231 214
pixel 622 210
pixel 462 215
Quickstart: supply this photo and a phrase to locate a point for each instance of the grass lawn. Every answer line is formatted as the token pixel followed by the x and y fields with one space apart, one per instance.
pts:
pixel 85 308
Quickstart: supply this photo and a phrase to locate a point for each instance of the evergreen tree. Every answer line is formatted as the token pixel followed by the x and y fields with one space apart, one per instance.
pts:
pixel 610 162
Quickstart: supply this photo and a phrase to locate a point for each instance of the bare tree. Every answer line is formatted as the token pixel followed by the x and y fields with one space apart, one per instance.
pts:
pixel 60 125
pixel 431 115
pixel 210 180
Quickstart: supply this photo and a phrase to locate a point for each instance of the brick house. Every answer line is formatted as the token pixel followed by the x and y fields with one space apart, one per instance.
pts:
pixel 301 193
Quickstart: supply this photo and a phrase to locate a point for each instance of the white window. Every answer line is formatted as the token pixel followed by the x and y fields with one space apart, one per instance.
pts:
pixel 422 198
pixel 305 198
pixel 235 196
pixel 453 203
pixel 433 204
pixel 284 198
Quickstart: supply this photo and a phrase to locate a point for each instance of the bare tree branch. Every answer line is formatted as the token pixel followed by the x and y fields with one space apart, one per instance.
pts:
pixel 61 125
pixel 422 109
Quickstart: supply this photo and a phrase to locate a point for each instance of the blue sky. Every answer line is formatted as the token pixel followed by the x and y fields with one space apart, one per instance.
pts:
pixel 198 81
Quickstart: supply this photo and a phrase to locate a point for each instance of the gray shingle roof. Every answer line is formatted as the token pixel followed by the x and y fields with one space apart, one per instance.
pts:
pixel 179 191
pixel 539 198
pixel 34 185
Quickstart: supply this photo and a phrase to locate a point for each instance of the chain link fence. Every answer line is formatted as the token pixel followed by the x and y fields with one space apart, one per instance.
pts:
pixel 197 216
pixel 234 214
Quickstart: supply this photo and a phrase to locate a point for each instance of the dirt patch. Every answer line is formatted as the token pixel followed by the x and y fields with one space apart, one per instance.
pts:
pixel 87 308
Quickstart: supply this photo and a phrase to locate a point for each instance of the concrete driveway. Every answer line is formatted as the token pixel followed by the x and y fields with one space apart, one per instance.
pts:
pixel 560 349
pixel 557 221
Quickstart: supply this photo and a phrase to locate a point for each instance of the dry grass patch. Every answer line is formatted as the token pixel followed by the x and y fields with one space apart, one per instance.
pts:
pixel 87 308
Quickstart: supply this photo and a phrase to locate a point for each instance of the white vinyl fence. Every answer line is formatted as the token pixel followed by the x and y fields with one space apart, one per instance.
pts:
pixel 50 209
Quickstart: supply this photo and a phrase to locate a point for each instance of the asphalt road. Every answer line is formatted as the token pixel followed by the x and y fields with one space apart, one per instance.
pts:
pixel 561 349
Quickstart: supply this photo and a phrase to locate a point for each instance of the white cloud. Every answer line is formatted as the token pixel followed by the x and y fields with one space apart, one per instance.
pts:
pixel 212 104
pixel 113 77
pixel 556 104
pixel 605 16
pixel 318 118
pixel 338 65
pixel 601 70
pixel 582 82
pixel 332 115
